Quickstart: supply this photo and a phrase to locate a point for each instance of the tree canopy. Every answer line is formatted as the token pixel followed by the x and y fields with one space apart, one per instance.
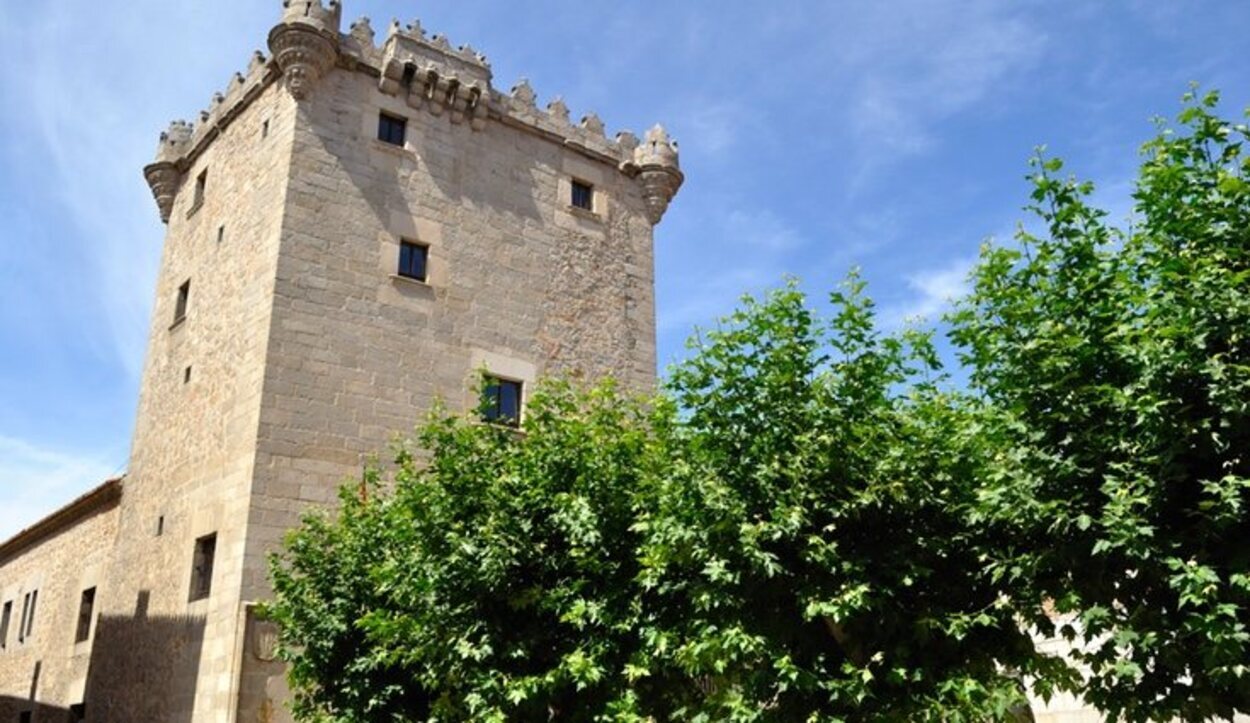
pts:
pixel 811 522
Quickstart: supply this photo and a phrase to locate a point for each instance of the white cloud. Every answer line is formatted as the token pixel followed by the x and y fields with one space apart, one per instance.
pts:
pixel 916 65
pixel 35 481
pixel 931 293
pixel 91 133
pixel 702 301
pixel 710 127
pixel 760 228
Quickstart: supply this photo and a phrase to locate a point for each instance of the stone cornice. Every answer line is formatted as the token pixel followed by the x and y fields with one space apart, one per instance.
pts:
pixel 428 73
pixel 100 498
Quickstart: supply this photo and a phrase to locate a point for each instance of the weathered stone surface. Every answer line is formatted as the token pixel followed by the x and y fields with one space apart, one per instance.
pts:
pixel 301 352
pixel 55 561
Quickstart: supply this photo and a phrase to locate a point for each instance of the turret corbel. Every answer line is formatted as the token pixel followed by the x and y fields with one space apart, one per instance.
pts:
pixel 658 171
pixel 305 44
pixel 163 176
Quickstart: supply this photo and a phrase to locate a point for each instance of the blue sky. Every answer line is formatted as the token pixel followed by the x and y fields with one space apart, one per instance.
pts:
pixel 816 136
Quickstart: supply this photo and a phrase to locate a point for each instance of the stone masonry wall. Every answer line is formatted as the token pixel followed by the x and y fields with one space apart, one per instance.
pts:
pixel 519 283
pixel 49 669
pixel 194 444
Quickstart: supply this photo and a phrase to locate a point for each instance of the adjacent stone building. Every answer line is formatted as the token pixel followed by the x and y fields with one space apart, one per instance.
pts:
pixel 354 230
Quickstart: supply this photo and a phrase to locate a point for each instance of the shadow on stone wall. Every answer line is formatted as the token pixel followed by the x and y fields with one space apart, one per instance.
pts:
pixel 12 709
pixel 143 669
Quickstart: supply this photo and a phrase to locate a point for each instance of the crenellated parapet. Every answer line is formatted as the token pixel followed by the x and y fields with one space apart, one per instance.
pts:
pixel 305 45
pixel 182 140
pixel 429 73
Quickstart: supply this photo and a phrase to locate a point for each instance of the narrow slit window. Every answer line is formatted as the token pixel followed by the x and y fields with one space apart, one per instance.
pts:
pixel 583 196
pixel 180 306
pixel 391 129
pixel 412 260
pixel 86 611
pixel 221 234
pixel 21 623
pixel 264 130
pixel 30 621
pixel 501 402
pixel 202 567
pixel 201 183
pixel 186 375
pixel 27 625
pixel 6 617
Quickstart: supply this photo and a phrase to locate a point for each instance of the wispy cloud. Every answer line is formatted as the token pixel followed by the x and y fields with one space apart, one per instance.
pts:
pixel 711 127
pixel 918 65
pixel 91 133
pixel 35 481
pixel 930 293
pixel 703 300
pixel 760 228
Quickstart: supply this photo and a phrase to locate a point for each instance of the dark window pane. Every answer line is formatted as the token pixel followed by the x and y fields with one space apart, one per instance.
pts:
pixel 490 401
pixel 391 129
pixel 201 182
pixel 502 403
pixel 202 570
pixel 5 619
pixel 583 195
pixel 180 307
pixel 510 401
pixel 85 612
pixel 30 620
pixel 21 624
pixel 412 258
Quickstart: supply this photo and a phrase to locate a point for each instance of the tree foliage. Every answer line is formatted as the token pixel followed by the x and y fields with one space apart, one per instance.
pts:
pixel 1117 365
pixel 811 523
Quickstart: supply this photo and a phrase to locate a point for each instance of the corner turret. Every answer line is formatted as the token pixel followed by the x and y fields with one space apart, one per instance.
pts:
pixel 163 176
pixel 305 44
pixel 659 171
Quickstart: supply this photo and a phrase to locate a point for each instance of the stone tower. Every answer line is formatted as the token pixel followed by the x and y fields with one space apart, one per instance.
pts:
pixel 354 230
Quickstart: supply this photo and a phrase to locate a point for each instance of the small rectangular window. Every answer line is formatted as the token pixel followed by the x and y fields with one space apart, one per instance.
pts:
pixel 583 196
pixel 21 624
pixel 202 567
pixel 501 403
pixel 221 234
pixel 5 618
pixel 86 611
pixel 264 130
pixel 184 296
pixel 201 183
pixel 27 626
pixel 412 260
pixel 160 525
pixel 391 129
pixel 186 375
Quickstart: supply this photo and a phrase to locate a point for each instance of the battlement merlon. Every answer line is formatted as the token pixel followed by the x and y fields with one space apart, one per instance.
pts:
pixel 429 73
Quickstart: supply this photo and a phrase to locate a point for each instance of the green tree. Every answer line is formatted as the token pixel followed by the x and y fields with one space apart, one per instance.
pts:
pixel 812 554
pixel 809 523
pixel 1115 365
pixel 783 536
pixel 492 580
